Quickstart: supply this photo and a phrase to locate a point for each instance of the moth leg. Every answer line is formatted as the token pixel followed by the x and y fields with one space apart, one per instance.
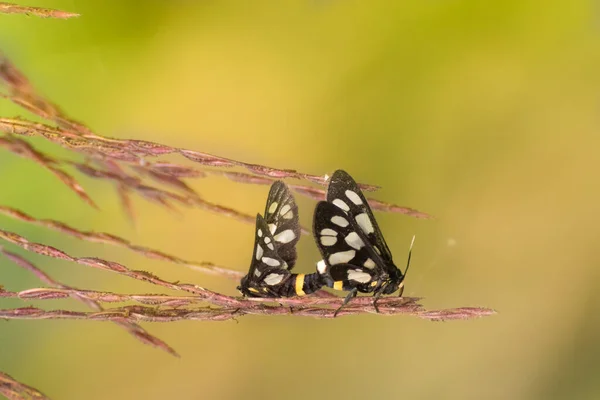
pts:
pixel 349 297
pixel 377 296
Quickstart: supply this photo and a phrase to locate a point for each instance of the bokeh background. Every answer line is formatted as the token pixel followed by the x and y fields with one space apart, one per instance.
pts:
pixel 484 114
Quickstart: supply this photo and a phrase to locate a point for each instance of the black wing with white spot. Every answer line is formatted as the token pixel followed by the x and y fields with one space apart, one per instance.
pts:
pixel 274 252
pixel 281 216
pixel 267 268
pixel 355 255
pixel 342 242
pixel 344 193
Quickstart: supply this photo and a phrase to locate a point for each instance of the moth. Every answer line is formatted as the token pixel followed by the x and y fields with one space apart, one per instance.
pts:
pixel 275 253
pixel 355 255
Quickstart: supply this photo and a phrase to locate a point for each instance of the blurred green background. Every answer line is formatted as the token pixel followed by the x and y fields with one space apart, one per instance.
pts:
pixel 485 114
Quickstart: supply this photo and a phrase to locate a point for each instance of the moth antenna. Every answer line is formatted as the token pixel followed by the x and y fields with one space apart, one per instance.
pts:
pixel 409 254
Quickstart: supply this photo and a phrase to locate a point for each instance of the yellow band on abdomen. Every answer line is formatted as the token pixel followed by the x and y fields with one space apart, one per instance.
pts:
pixel 338 285
pixel 300 284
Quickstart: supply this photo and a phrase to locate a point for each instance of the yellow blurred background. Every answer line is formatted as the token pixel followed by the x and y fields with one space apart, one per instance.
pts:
pixel 484 114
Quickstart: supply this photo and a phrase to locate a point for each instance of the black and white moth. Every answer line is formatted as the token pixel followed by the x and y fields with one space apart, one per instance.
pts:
pixel 275 253
pixel 355 255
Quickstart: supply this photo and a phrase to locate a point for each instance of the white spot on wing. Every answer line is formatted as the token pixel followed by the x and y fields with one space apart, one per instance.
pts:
pixel 321 266
pixel 355 198
pixel 358 275
pixel 339 221
pixel 286 236
pixel 272 228
pixel 272 207
pixel 328 232
pixel 270 246
pixel 342 257
pixel 369 264
pixel 288 215
pixel 284 209
pixel 328 240
pixel 273 279
pixel 256 272
pixel 271 262
pixel 354 241
pixel 341 204
pixel 259 252
pixel 259 233
pixel 267 240
pixel 364 222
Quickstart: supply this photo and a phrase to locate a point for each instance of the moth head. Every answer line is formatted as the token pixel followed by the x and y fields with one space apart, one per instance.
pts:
pixel 394 282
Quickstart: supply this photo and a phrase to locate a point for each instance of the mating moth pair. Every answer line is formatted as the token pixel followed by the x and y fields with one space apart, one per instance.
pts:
pixel 355 255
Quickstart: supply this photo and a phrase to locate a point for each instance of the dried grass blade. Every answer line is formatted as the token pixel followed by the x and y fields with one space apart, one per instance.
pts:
pixel 9 8
pixel 15 390
pixel 107 238
pixel 135 330
pixel 153 314
pixel 26 150
pixel 99 263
